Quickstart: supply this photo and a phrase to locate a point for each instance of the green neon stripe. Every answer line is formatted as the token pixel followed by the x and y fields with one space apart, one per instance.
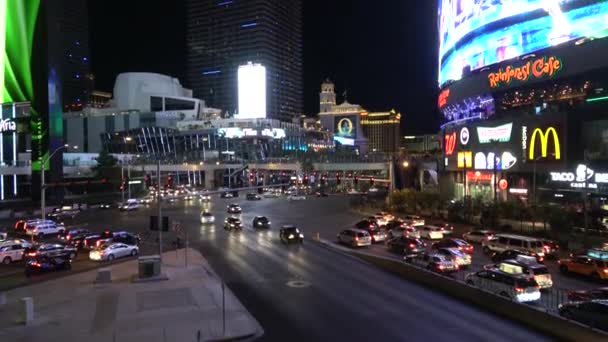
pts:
pixel 604 98
pixel 2 45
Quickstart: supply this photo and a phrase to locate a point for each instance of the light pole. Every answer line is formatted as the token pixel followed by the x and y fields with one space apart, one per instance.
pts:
pixel 43 181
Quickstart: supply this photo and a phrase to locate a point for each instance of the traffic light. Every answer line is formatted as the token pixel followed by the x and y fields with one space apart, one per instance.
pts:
pixel 338 178
pixel 148 181
pixel 170 181
pixel 356 181
pixel 305 181
pixel 371 181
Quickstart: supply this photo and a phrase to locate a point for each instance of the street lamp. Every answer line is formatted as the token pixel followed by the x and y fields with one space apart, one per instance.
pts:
pixel 406 164
pixel 43 181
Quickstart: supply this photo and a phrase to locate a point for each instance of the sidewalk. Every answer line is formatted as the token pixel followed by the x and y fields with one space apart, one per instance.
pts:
pixel 186 306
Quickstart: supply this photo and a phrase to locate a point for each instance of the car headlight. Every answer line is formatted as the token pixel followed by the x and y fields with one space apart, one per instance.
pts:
pixel 290 236
pixel 301 236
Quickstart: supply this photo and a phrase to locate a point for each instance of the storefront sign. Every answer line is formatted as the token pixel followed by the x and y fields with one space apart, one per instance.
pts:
pixel 503 184
pixel 465 159
pixel 500 134
pixel 479 176
pixel 464 136
pixel 450 143
pixel 518 191
pixel 276 133
pixel 544 137
pixel 583 177
pixel 486 161
pixel 7 125
pixel 538 68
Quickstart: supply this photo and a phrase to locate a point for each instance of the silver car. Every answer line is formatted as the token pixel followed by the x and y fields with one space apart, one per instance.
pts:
pixel 355 237
pixel 112 251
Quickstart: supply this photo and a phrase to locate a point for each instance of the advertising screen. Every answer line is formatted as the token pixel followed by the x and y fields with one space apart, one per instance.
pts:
pixel 346 126
pixel 477 33
pixel 252 91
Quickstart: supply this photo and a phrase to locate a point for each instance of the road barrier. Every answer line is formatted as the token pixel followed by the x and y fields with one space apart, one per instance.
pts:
pixel 540 320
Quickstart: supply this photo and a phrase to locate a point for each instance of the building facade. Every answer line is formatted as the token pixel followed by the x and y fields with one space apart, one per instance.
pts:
pixel 382 130
pixel 222 35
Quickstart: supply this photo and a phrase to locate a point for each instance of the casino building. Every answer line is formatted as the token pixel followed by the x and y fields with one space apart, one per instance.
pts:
pixel 523 98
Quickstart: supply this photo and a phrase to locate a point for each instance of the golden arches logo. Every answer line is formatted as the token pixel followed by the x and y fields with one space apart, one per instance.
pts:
pixel 544 143
pixel 345 126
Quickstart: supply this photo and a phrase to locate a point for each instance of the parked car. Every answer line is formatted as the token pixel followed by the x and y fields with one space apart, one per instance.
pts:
pixel 234 209
pixel 478 236
pixel 50 250
pixel 44 264
pixel 462 259
pixel 502 242
pixel 584 295
pixel 529 266
pixel 593 313
pixel 517 287
pixel 454 243
pixel 433 261
pixel 207 217
pixel 355 237
pixel 289 234
pixel 44 228
pixel 111 251
pixel 233 223
pixel 430 232
pixel 513 254
pixel 295 197
pixel 261 222
pixel 413 220
pixel 12 250
pixel 406 246
pixel 253 197
pixel 586 266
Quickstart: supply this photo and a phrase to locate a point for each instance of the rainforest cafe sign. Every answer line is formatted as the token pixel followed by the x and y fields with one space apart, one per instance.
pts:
pixel 538 68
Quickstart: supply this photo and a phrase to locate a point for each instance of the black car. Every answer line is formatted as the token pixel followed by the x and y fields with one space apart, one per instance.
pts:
pixel 367 224
pixel 593 313
pixel 406 246
pixel 261 222
pixel 234 208
pixel 71 233
pixel 582 295
pixel 51 250
pixel 253 197
pixel 394 224
pixel 511 254
pixel 95 240
pixel 290 234
pixel 78 240
pixel 43 264
pixel 233 223
pixel 126 238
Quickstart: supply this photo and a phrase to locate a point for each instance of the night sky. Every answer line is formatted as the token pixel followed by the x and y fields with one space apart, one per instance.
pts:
pixel 382 52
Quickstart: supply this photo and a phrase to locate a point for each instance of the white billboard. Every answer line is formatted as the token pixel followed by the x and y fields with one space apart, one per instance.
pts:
pixel 252 91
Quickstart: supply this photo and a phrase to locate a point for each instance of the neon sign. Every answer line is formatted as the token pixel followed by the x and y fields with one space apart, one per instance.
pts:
pixel 544 143
pixel 464 136
pixel 538 68
pixel 479 177
pixel 582 177
pixel 501 133
pixel 7 125
pixel 465 159
pixel 490 161
pixel 443 98
pixel 450 143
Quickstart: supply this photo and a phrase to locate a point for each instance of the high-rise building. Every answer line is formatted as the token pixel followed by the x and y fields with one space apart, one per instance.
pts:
pixel 76 78
pixel 382 130
pixel 327 97
pixel 224 34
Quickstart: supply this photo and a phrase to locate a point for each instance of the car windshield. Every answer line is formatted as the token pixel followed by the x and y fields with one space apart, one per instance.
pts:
pixel 262 218
pixel 361 234
pixel 207 214
pixel 291 230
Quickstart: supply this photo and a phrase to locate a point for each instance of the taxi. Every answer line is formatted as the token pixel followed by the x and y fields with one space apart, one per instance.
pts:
pixel 593 264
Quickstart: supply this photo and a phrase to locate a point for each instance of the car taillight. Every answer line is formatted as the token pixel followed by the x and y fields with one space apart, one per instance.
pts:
pixel 440 267
pixel 31 254
pixel 519 289
pixel 356 238
pixel 605 270
pixel 69 237
pixel 35 264
pixel 459 248
pixel 547 248
pixel 98 243
pixel 456 266
pixel 412 245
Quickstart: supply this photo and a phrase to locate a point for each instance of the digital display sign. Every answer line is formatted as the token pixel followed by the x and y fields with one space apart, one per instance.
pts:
pixel 477 33
pixel 346 126
pixel 252 91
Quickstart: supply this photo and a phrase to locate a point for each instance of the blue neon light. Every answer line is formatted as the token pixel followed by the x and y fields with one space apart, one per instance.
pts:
pixel 249 25
pixel 212 72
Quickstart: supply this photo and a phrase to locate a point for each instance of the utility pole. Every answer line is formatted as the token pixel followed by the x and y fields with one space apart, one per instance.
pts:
pixel 129 177
pixel 122 179
pixel 158 212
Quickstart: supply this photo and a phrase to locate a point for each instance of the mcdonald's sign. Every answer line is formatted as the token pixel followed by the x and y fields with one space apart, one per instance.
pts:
pixel 544 137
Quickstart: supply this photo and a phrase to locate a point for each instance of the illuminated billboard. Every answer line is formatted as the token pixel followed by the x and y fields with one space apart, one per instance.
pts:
pixel 477 33
pixel 346 126
pixel 252 91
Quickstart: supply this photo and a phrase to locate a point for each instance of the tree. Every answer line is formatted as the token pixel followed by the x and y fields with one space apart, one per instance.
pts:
pixel 107 166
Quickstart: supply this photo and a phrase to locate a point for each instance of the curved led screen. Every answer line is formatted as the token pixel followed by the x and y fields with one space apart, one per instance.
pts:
pixel 477 33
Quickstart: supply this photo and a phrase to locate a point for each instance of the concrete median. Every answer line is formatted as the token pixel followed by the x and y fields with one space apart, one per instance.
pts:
pixel 551 325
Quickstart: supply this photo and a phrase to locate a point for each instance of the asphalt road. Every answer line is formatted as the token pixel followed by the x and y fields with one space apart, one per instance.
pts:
pixel 310 292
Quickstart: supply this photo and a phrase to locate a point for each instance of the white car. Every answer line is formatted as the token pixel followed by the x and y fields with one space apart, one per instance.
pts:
pixel 462 259
pixel 355 237
pixel 381 219
pixel 206 197
pixel 296 198
pixel 132 204
pixel 405 231
pixel 112 251
pixel 431 232
pixel 12 250
pixel 517 287
pixel 43 228
pixel 478 236
pixel 387 216
pixel 207 218
pixel 413 220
